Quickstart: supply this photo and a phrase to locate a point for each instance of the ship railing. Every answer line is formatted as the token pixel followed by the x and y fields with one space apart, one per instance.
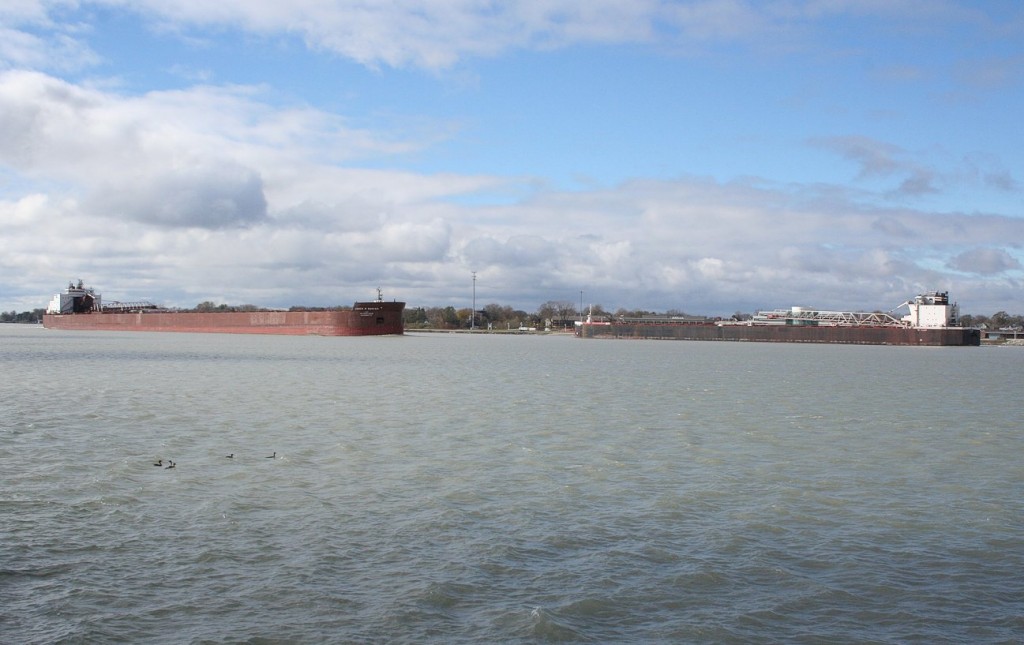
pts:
pixel 831 318
pixel 658 320
pixel 125 307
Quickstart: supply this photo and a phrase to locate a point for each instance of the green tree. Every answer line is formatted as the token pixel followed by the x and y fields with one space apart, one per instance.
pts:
pixel 415 317
pixel 447 318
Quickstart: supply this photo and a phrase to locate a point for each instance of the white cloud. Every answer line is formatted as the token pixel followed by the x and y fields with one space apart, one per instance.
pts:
pixel 204 195
pixel 31 38
pixel 427 34
pixel 438 34
pixel 203 156
pixel 747 258
pixel 985 261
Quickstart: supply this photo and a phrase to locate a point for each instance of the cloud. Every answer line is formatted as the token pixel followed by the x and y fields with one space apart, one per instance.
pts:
pixel 31 38
pixel 879 160
pixel 133 158
pixel 674 242
pixel 205 195
pixel 875 158
pixel 991 73
pixel 985 261
pixel 688 243
pixel 516 251
pixel 1002 180
pixel 201 156
pixel 920 182
pixel 430 34
pixel 439 34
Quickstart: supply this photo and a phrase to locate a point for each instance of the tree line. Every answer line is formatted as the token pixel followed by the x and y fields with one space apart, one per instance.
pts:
pixel 998 320
pixel 556 314
pixel 35 316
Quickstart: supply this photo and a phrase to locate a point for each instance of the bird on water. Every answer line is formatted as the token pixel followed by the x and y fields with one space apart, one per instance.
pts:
pixel 159 462
pixel 273 456
pixel 170 464
pixel 231 456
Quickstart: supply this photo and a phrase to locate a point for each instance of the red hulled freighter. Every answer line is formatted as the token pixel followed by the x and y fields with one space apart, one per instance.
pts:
pixel 81 308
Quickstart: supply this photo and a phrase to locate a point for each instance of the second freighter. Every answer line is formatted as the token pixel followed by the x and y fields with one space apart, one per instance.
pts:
pixel 932 320
pixel 81 308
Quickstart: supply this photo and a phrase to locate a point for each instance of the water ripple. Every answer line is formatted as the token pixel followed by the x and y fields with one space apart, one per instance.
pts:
pixel 468 489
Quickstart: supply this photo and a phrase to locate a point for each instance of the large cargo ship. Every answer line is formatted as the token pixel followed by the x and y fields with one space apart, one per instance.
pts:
pixel 81 308
pixel 932 321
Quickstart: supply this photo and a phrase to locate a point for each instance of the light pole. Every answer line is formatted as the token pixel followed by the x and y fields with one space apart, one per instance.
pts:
pixel 472 324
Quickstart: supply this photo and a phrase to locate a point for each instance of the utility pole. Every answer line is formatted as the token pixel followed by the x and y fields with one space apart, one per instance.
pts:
pixel 472 324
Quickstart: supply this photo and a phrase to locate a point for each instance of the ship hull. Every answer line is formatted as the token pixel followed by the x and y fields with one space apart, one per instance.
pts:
pixel 851 335
pixel 364 319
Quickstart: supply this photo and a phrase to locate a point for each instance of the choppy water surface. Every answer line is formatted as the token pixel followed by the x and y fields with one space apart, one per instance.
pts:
pixel 448 488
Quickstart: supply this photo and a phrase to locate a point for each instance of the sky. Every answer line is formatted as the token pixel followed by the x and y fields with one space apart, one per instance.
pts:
pixel 709 156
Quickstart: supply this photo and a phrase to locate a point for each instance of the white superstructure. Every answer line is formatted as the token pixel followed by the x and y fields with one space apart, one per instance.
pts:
pixel 74 300
pixel 932 310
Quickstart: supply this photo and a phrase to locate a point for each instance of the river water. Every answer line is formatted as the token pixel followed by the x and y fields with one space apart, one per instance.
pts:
pixel 455 488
